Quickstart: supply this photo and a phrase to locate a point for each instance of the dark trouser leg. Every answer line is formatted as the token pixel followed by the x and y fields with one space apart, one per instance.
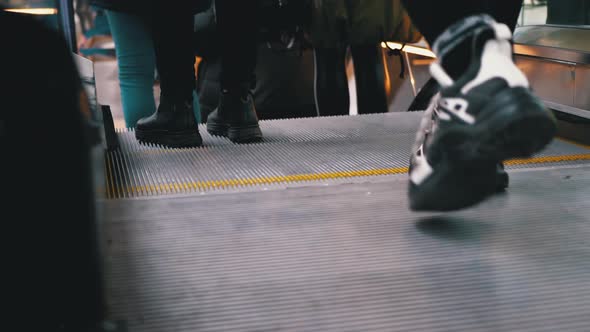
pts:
pixel 173 34
pixel 174 124
pixel 432 17
pixel 331 83
pixel 503 11
pixel 236 117
pixel 369 78
pixel 237 28
pixel 426 15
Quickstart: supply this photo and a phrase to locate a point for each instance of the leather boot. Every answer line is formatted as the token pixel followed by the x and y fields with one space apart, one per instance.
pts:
pixel 235 117
pixel 172 125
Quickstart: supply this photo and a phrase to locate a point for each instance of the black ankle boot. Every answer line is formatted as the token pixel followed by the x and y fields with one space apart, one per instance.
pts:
pixel 235 117
pixel 173 125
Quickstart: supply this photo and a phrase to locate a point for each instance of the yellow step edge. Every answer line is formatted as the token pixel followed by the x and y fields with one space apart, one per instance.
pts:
pixel 229 183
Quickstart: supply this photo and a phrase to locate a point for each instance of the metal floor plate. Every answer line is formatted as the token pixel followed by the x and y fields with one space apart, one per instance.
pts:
pixel 352 257
pixel 294 152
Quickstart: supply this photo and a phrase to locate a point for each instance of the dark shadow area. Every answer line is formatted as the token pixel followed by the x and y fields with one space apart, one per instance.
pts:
pixel 46 136
pixel 452 228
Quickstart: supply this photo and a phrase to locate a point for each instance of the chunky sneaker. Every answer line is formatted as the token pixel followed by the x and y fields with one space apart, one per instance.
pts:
pixel 235 118
pixel 173 125
pixel 486 116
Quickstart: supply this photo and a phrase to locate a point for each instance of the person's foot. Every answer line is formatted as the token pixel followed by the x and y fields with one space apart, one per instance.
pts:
pixel 235 118
pixel 172 125
pixel 486 116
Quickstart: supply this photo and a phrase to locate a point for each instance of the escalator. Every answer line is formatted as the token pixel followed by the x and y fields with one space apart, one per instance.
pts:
pixel 307 231
pixel 310 231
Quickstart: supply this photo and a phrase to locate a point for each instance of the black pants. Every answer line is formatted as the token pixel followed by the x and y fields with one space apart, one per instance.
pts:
pixel 432 17
pixel 173 28
pixel 237 27
pixel 331 82
pixel 426 16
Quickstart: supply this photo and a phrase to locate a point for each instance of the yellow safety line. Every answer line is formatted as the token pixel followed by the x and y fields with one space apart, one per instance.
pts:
pixel 228 183
pixel 267 180
pixel 548 159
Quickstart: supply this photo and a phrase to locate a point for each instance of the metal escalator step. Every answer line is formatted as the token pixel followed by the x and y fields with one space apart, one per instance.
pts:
pixel 294 152
pixel 354 258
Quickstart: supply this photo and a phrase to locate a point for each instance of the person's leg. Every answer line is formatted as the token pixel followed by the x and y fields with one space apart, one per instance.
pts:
pixel 206 44
pixel 136 62
pixel 237 28
pixel 504 12
pixel 426 15
pixel 208 85
pixel 174 123
pixel 236 116
pixel 484 113
pixel 172 30
pixel 331 82
pixel 369 74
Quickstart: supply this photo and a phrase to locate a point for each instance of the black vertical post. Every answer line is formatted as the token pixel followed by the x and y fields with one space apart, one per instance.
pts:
pixel 67 23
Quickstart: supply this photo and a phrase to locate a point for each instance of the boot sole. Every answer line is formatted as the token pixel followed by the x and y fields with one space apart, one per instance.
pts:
pixel 173 139
pixel 243 135
pixel 518 126
pixel 217 129
pixel 455 186
pixel 238 135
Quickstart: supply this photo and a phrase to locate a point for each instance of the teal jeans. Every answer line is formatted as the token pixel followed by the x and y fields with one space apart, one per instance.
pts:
pixel 137 64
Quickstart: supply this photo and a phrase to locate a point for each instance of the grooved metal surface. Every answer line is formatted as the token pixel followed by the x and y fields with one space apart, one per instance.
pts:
pixel 294 152
pixel 353 258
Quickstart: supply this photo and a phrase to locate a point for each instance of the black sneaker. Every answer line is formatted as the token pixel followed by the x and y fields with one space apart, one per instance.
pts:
pixel 235 118
pixel 485 117
pixel 172 125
